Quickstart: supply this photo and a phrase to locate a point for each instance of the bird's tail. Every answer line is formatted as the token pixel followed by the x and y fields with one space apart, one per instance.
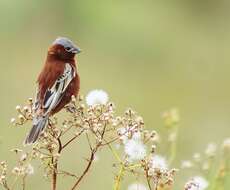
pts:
pixel 39 123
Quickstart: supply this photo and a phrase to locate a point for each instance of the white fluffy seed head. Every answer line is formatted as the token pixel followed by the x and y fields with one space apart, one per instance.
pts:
pixel 197 183
pixel 137 186
pixel 136 135
pixel 96 97
pixel 158 162
pixel 135 150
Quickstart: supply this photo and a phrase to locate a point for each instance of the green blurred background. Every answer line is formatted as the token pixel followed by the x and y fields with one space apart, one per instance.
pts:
pixel 150 55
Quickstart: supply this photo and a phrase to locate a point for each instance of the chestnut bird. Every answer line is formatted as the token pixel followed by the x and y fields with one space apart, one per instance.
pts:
pixel 57 82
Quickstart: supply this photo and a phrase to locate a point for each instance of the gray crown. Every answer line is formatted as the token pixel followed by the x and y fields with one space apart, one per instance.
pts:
pixel 67 44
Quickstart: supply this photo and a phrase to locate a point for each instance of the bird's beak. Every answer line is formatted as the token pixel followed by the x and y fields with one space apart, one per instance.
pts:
pixel 76 50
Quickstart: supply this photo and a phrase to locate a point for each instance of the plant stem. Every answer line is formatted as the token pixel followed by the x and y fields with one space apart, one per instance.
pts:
pixel 114 153
pixel 149 185
pixel 14 183
pixel 24 183
pixel 5 185
pixel 118 179
pixel 87 168
pixel 55 166
pixel 54 174
pixel 147 178
pixel 72 139
pixel 90 160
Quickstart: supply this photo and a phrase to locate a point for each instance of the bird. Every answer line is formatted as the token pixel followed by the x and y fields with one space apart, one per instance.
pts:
pixel 56 84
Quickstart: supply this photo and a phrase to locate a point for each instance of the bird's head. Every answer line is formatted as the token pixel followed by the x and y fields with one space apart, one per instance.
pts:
pixel 63 48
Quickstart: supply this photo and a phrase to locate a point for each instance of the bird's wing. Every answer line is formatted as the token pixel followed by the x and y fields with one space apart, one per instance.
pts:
pixel 54 94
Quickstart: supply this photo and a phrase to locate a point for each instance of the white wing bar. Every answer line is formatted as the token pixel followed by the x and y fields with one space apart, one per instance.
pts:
pixel 54 95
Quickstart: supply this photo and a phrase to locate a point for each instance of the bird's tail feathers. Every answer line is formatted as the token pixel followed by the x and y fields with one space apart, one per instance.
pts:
pixel 39 123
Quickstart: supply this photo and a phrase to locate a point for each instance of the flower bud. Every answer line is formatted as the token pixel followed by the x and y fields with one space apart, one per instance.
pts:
pixel 30 100
pixel 18 108
pixel 73 98
pixel 21 118
pixel 153 148
pixel 26 108
pixel 12 120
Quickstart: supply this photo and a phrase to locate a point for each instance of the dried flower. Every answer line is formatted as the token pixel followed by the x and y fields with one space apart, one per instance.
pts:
pixel 140 120
pixel 97 121
pixel 3 163
pixel 123 133
pixel 153 148
pixel 23 157
pixel 26 108
pixel 154 137
pixel 21 118
pixel 191 185
pixel 18 171
pixel 96 97
pixel 2 179
pixel 18 108
pixel 30 100
pixel 129 112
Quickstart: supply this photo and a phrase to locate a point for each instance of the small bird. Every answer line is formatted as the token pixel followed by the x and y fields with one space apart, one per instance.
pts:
pixel 57 83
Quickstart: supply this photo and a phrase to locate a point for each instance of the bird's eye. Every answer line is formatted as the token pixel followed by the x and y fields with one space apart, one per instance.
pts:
pixel 68 48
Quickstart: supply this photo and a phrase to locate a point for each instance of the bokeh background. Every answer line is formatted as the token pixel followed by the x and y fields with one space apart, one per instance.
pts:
pixel 150 55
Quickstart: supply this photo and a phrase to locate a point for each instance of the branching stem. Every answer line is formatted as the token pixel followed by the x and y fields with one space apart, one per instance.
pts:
pixel 119 177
